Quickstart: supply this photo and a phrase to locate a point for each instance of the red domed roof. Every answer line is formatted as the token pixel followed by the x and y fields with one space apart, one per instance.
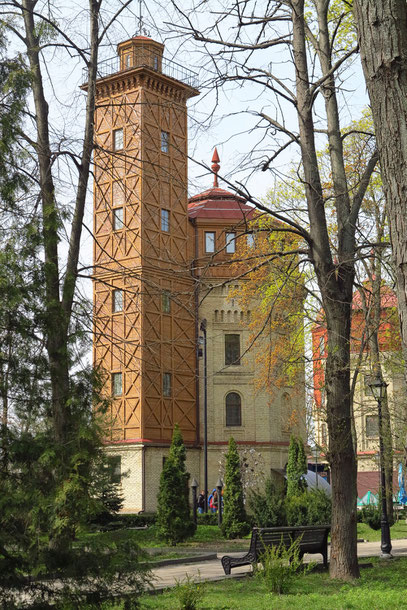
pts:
pixel 219 203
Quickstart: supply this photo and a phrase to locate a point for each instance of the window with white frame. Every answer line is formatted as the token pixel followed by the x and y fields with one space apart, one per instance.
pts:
pixel 233 410
pixel 167 384
pixel 165 302
pixel 118 218
pixel 117 300
pixel 250 240
pixel 230 243
pixel 209 241
pixel 117 384
pixel 165 141
pixel 165 220
pixel 118 140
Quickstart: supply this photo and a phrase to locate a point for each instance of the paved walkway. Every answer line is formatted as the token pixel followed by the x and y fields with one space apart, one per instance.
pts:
pixel 167 576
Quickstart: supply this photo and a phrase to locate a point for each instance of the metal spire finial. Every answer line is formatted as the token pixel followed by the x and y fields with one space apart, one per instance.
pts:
pixel 215 167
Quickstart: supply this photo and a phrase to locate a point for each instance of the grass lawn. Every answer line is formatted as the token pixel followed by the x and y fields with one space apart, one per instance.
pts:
pixel 209 537
pixel 398 530
pixel 380 587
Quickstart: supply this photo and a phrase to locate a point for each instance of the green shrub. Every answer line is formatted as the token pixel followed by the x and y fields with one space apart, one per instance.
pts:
pixel 189 593
pixel 296 467
pixel 267 509
pixel 371 515
pixel 280 566
pixel 296 509
pixel 174 516
pixel 312 507
pixel 319 507
pixel 234 524
pixel 207 518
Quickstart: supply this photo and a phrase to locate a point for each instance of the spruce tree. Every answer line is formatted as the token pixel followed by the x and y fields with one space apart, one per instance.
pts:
pixel 234 523
pixel 173 515
pixel 296 467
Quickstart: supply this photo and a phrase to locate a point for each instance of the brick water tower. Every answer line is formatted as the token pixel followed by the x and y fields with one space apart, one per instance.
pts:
pixel 144 294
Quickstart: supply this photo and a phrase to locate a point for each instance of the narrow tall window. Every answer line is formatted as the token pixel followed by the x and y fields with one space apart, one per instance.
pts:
pixel 155 62
pixel 118 139
pixel 117 300
pixel 230 243
pixel 114 468
pixel 117 384
pixel 165 220
pixel 250 240
pixel 232 349
pixel 233 409
pixel 167 389
pixel 209 241
pixel 372 426
pixel 165 302
pixel 324 435
pixel 165 140
pixel 118 219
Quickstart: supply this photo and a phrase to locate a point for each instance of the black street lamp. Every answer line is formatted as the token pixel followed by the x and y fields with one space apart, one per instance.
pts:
pixel 378 387
pixel 194 487
pixel 219 486
pixel 203 329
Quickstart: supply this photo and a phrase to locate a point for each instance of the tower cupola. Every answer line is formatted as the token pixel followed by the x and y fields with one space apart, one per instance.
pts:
pixel 140 52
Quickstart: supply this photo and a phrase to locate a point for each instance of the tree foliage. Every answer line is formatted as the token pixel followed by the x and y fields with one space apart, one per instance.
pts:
pixel 173 514
pixel 234 522
pixel 296 467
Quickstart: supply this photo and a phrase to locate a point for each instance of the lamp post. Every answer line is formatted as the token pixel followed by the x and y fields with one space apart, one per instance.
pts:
pixel 378 387
pixel 203 329
pixel 194 487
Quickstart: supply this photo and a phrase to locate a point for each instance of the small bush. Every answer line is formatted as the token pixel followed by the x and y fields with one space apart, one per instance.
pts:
pixel 267 509
pixel 174 519
pixel 207 519
pixel 234 524
pixel 312 507
pixel 189 593
pixel 280 566
pixel 371 515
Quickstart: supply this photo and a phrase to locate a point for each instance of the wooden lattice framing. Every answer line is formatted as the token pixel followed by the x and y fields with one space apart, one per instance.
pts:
pixel 141 341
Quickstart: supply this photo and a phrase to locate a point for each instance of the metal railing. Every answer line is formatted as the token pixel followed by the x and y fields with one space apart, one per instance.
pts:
pixel 146 59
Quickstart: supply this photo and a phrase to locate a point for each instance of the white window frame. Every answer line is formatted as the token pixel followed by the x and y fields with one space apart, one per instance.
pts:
pixel 117 384
pixel 230 243
pixel 167 385
pixel 165 220
pixel 118 139
pixel 118 219
pixel 117 300
pixel 211 248
pixel 165 141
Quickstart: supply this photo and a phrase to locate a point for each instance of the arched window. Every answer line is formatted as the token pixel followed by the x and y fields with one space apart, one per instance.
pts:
pixel 233 409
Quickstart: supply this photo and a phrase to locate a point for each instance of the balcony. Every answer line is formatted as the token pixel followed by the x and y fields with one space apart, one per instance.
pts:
pixel 146 59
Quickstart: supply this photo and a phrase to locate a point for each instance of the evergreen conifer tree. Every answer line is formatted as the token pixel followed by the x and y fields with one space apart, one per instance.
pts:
pixel 296 467
pixel 173 515
pixel 234 522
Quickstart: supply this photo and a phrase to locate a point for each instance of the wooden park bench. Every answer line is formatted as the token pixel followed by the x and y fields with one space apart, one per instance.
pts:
pixel 313 539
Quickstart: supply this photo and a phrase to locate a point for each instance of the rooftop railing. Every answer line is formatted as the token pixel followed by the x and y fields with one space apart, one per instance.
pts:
pixel 146 59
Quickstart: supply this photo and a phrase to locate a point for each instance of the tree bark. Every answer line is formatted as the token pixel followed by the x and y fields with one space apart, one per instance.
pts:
pixel 336 285
pixel 382 30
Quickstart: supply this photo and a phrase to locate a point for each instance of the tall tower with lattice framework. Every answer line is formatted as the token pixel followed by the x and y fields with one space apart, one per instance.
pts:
pixel 144 301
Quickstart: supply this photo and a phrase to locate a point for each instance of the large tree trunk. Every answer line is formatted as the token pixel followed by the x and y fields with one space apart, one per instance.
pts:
pixel 382 28
pixel 342 459
pixel 336 284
